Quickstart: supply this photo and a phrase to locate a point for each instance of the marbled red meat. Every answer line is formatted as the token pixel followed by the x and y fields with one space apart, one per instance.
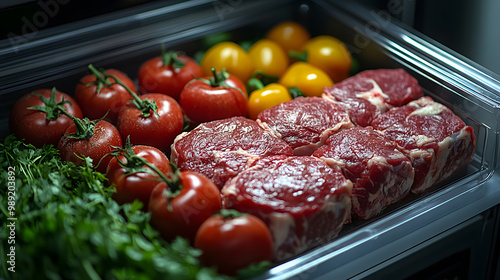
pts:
pixel 305 122
pixel 373 92
pixel 437 141
pixel 303 201
pixel 381 175
pixel 221 149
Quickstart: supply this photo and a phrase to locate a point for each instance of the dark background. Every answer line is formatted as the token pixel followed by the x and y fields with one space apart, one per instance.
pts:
pixel 471 28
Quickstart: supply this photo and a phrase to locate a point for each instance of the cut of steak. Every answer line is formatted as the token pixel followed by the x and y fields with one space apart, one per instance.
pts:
pixel 437 141
pixel 305 122
pixel 381 175
pixel 304 202
pixel 373 92
pixel 221 149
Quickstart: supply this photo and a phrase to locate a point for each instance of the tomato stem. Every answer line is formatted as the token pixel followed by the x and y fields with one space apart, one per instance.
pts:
pixel 171 58
pixel 296 92
pixel 255 83
pixel 101 79
pixel 228 214
pixel 264 78
pixel 215 82
pixel 85 128
pixel 145 106
pixel 218 79
pixel 135 163
pixel 301 56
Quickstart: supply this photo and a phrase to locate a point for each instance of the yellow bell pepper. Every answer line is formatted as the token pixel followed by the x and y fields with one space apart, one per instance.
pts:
pixel 310 79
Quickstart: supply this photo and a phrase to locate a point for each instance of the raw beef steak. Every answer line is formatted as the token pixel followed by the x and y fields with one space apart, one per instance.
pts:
pixel 381 175
pixel 436 140
pixel 373 92
pixel 221 149
pixel 305 122
pixel 303 201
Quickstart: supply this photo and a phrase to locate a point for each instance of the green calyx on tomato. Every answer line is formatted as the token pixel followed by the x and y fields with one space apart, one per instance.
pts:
pixel 231 213
pixel 218 80
pixel 255 83
pixel 145 106
pixel 84 127
pixel 171 58
pixel 296 92
pixel 174 186
pixel 50 107
pixel 265 97
pixel 135 164
pixel 301 56
pixel 263 78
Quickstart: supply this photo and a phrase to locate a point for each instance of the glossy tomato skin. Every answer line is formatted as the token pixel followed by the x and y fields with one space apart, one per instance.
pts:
pixel 311 80
pixel 154 77
pixel 230 56
pixel 97 147
pixel 266 98
pixel 231 244
pixel 33 126
pixel 198 199
pixel 201 102
pixel 330 55
pixel 109 100
pixel 137 185
pixel 152 130
pixel 290 35
pixel 269 57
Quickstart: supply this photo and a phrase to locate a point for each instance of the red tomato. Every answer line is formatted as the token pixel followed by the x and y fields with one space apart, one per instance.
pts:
pixel 182 214
pixel 157 131
pixel 214 98
pixel 137 185
pixel 37 127
pixel 109 99
pixel 168 76
pixel 233 243
pixel 99 145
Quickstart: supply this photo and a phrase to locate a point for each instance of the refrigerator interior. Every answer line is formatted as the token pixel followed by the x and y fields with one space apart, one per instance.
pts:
pixel 59 57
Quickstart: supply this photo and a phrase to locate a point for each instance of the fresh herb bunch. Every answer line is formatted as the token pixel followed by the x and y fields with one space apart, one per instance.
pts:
pixel 69 227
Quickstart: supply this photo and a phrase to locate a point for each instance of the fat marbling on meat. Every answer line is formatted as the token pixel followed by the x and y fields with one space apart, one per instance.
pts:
pixel 436 140
pixel 305 122
pixel 372 92
pixel 304 202
pixel 381 175
pixel 221 149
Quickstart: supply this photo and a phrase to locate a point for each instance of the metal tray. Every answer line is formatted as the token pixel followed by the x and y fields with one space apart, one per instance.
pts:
pixel 123 40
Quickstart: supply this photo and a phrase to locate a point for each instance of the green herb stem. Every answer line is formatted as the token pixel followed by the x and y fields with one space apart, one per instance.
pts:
pixel 69 227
